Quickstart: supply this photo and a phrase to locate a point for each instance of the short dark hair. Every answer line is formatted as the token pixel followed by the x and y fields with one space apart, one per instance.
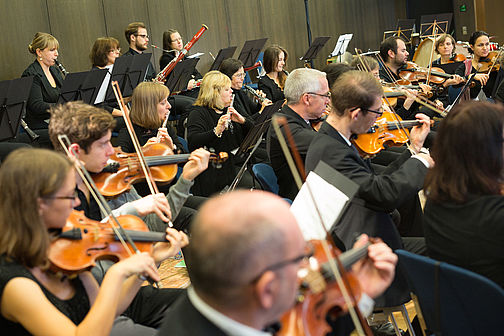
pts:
pixel 475 36
pixel 101 48
pixel 167 38
pixel 334 70
pixel 468 142
pixel 83 124
pixel 230 66
pixel 389 43
pixel 354 89
pixel 132 29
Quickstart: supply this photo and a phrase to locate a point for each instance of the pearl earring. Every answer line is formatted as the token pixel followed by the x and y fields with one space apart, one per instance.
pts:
pixel 40 58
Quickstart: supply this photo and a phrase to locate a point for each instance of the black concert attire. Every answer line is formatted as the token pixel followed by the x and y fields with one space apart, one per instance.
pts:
pixel 150 74
pixel 272 91
pixel 163 62
pixel 143 135
pixel 42 95
pixel 200 133
pixel 75 308
pixel 451 92
pixel 468 235
pixel 244 105
pixel 491 86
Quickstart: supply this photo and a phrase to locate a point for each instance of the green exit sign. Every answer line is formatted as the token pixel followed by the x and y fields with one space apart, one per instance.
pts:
pixel 463 8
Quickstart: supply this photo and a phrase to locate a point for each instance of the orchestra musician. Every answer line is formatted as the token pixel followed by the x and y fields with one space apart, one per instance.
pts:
pixel 89 130
pixel 272 84
pixel 307 94
pixel 213 123
pixel 138 41
pixel 35 299
pixel 47 80
pixel 479 43
pixel 464 209
pixel 252 279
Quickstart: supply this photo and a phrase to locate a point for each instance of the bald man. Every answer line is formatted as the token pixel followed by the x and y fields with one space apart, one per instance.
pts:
pixel 243 264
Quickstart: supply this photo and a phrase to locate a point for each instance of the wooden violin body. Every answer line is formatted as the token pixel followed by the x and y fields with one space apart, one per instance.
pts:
pixel 83 241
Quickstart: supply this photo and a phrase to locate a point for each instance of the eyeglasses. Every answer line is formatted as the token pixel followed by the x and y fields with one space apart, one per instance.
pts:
pixel 309 251
pixel 73 197
pixel 240 75
pixel 115 50
pixel 379 112
pixel 327 95
pixel 143 35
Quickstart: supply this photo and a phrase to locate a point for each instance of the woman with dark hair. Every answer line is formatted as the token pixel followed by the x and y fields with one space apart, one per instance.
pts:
pixel 233 68
pixel 464 212
pixel 47 80
pixel 479 43
pixel 272 83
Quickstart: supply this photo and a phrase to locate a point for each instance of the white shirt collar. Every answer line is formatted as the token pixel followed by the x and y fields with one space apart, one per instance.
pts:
pixel 228 325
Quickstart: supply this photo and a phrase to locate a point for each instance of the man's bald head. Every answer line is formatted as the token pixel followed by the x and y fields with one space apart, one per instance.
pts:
pixel 234 238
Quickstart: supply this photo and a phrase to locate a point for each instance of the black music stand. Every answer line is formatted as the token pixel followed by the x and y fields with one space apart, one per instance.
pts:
pixel 221 56
pixel 404 29
pixel 314 49
pixel 250 52
pixel 82 86
pixel 13 97
pixel 269 110
pixel 181 75
pixel 128 71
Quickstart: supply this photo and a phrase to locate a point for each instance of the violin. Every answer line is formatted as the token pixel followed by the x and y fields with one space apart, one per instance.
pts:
pixel 83 241
pixel 490 63
pixel 320 294
pixel 456 58
pixel 117 177
pixel 388 130
pixel 415 73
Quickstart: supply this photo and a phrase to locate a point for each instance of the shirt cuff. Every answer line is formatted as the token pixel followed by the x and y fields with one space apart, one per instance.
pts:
pixel 366 305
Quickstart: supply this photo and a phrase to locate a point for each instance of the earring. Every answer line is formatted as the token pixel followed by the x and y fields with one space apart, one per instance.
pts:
pixel 40 58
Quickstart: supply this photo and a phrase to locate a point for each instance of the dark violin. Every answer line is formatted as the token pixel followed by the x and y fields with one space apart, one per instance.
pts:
pixel 457 58
pixel 490 63
pixel 83 241
pixel 126 169
pixel 320 294
pixel 387 131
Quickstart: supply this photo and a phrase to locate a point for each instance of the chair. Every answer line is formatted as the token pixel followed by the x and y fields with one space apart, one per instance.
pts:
pixel 453 301
pixel 266 177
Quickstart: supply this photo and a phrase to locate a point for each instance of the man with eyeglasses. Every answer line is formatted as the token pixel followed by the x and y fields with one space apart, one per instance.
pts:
pixel 307 93
pixel 138 40
pixel 243 263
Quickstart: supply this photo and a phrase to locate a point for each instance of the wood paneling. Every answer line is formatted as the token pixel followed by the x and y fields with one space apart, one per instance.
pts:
pixel 77 23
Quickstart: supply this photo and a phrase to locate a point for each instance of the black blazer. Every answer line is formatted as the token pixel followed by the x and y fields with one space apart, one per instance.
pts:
pixel 182 319
pixel 42 95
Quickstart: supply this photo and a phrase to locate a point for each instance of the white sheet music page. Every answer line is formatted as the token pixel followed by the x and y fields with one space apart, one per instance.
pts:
pixel 330 202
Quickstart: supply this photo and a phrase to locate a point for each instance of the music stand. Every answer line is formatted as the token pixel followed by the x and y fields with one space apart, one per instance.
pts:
pixel 128 71
pixel 440 21
pixel 341 45
pixel 314 48
pixel 13 97
pixel 82 86
pixel 223 54
pixel 181 75
pixel 250 52
pixel 70 89
pixel 404 29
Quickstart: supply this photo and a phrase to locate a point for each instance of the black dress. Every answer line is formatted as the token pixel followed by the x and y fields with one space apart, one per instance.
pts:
pixel 143 135
pixel 270 88
pixel 491 86
pixel 42 95
pixel 200 133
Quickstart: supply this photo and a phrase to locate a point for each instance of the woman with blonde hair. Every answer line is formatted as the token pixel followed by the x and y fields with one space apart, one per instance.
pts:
pixel 213 123
pixel 47 80
pixel 272 84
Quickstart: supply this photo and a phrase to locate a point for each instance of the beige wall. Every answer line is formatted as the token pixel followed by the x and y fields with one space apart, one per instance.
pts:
pixel 77 23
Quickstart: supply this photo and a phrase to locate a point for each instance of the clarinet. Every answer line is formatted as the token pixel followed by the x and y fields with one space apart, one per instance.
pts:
pixel 254 92
pixel 33 136
pixel 61 68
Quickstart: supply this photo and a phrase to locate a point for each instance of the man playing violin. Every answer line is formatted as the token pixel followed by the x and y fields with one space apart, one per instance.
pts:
pixel 252 279
pixel 89 130
pixel 307 94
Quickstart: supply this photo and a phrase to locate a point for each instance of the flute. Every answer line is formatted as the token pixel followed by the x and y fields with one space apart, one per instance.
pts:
pixel 254 92
pixel 229 122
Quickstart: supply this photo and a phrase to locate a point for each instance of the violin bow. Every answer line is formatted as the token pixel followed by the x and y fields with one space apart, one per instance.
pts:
pixel 335 264
pixel 129 125
pixel 429 67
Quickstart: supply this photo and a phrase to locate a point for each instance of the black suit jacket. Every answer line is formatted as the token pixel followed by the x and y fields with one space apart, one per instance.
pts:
pixel 303 135
pixel 182 319
pixel 42 95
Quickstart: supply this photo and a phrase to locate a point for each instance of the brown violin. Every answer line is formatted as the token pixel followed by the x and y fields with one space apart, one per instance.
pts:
pixel 490 63
pixel 83 241
pixel 415 74
pixel 126 168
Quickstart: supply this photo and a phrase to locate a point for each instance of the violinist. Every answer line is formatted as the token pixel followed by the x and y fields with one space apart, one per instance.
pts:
pixel 272 84
pixel 34 299
pixel 356 104
pixel 172 45
pixel 479 43
pixel 214 123
pixel 89 130
pixel 307 93
pixel 464 211
pixel 251 280
pixel 138 41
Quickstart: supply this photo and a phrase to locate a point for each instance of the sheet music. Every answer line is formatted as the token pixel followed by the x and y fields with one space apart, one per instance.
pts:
pixel 196 55
pixel 330 202
pixel 341 45
pixel 100 97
